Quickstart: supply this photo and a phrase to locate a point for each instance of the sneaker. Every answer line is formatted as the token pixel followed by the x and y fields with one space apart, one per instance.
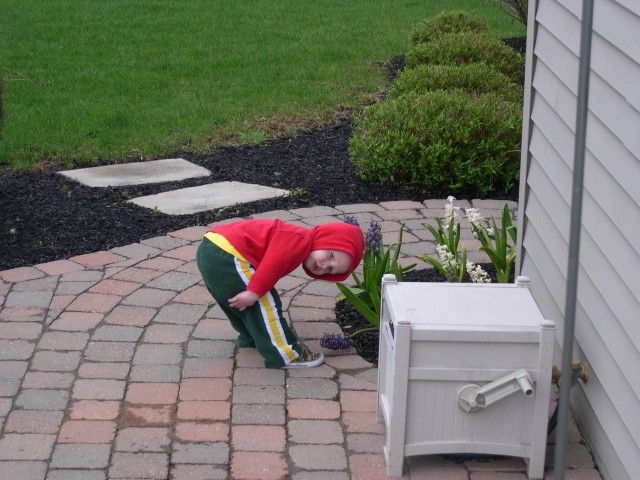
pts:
pixel 306 359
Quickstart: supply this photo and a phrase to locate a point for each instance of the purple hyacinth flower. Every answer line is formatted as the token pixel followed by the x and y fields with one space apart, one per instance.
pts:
pixel 351 220
pixel 331 341
pixel 373 238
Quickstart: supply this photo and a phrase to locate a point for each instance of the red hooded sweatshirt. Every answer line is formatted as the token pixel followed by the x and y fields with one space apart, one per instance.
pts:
pixel 276 248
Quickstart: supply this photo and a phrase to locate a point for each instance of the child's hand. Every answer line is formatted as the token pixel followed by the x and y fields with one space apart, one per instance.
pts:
pixel 243 300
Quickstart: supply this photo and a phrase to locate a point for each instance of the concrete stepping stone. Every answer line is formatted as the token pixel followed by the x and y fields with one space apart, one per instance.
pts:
pixel 155 171
pixel 186 201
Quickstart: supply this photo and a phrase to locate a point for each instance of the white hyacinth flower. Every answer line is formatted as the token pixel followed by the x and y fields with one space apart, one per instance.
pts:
pixel 447 258
pixel 477 274
pixel 451 212
pixel 474 217
pixel 442 252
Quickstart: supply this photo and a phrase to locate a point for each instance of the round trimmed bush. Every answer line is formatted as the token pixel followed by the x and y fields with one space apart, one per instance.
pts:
pixel 468 47
pixel 446 142
pixel 447 22
pixel 476 78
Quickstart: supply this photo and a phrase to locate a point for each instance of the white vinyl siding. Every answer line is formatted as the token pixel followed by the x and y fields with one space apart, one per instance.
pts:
pixel 607 333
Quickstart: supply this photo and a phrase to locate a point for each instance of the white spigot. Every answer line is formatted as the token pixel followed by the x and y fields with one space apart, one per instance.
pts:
pixel 472 397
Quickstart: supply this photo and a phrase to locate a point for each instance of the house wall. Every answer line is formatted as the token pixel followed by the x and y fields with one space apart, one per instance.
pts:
pixel 607 331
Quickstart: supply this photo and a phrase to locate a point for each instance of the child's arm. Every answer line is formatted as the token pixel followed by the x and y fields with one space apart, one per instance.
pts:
pixel 243 300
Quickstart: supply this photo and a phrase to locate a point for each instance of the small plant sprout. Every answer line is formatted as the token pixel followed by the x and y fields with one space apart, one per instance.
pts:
pixel 218 213
pixel 66 190
pixel 209 303
pixel 298 192
pixel 126 195
pixel 155 210
pixel 13 231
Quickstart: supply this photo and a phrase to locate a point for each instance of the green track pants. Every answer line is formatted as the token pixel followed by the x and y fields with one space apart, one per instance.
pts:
pixel 261 325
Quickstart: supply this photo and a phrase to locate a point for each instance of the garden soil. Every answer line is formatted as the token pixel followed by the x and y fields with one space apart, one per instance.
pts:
pixel 46 216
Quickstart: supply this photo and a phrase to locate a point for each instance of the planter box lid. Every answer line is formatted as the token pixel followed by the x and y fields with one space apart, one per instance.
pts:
pixel 482 306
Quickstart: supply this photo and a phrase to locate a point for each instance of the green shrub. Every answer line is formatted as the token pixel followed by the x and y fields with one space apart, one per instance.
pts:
pixel 1 105
pixel 449 142
pixel 475 78
pixel 468 47
pixel 447 22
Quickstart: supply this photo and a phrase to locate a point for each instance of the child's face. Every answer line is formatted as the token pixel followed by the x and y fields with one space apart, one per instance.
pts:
pixel 322 262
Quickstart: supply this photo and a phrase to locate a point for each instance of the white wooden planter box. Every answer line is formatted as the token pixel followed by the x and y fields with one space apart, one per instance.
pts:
pixel 441 346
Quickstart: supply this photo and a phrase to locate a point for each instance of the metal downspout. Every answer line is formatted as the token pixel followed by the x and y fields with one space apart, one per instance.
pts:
pixel 574 237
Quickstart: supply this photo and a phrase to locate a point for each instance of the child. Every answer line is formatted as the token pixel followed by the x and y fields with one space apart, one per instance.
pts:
pixel 241 262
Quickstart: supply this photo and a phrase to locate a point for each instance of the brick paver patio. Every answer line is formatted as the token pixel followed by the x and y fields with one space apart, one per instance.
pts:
pixel 116 365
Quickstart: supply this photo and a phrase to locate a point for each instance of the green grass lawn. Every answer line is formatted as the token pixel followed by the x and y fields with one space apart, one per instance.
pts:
pixel 87 81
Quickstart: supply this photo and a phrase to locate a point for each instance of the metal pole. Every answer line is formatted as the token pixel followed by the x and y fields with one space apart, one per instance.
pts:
pixel 574 238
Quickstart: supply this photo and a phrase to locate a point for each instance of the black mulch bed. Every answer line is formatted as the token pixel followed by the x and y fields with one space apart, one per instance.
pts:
pixel 46 216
